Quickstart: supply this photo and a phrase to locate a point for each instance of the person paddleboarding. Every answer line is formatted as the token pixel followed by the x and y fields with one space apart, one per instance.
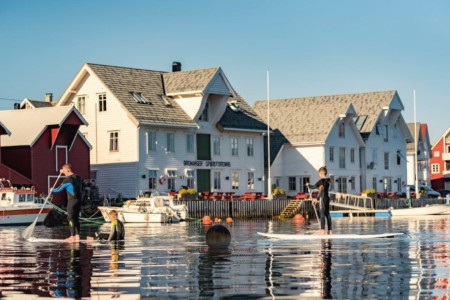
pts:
pixel 72 184
pixel 323 198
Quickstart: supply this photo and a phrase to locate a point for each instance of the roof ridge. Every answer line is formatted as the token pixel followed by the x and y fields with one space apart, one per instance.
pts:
pixel 123 67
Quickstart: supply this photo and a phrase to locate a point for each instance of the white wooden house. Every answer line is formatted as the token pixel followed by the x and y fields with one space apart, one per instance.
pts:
pixel 361 138
pixel 153 130
pixel 422 138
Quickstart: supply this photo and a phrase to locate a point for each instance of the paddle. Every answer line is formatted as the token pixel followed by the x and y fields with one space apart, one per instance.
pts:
pixel 28 232
pixel 315 210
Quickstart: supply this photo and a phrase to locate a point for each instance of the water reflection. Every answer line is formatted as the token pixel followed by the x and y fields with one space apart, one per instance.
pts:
pixel 173 261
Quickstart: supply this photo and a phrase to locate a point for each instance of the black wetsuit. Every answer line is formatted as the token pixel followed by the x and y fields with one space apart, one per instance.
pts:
pixel 117 232
pixel 73 186
pixel 324 200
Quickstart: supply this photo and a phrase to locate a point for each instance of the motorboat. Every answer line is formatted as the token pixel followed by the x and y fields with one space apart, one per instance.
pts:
pixel 20 206
pixel 435 209
pixel 153 208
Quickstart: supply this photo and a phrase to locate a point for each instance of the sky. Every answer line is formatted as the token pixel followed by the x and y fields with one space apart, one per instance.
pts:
pixel 311 48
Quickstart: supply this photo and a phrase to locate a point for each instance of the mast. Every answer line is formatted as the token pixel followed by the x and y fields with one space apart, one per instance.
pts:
pixel 269 176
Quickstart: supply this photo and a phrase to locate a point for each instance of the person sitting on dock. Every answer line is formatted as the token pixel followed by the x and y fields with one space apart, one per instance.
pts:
pixel 117 232
pixel 72 184
pixel 323 198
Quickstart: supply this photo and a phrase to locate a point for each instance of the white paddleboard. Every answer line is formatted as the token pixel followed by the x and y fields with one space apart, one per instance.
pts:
pixel 60 241
pixel 330 236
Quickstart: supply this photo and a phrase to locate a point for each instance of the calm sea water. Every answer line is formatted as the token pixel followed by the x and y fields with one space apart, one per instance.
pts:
pixel 173 261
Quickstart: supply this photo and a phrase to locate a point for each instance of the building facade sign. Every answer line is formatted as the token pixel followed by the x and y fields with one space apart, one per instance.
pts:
pixel 199 163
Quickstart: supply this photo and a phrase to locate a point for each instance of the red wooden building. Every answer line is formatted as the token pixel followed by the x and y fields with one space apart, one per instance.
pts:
pixel 41 141
pixel 440 163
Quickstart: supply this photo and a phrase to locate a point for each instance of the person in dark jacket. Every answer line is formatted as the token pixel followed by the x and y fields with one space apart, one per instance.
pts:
pixel 323 198
pixel 117 232
pixel 72 184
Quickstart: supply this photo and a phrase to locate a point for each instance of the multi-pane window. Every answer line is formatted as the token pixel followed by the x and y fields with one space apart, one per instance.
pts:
pixel 342 129
pixel 331 154
pixel 102 102
pixel 204 116
pixel 435 168
pixel 190 143
pixel 216 145
pixel 151 141
pixel 114 141
pixel 234 146
pixel 190 175
pixel 235 180
pixel 388 184
pixel 386 133
pixel 303 186
pixel 251 181
pixel 399 157
pixel 386 160
pixel 217 182
pixel 292 183
pixel 352 155
pixel 342 157
pixel 399 184
pixel 171 178
pixel 152 179
pixel 250 148
pixel 374 183
pixel 353 183
pixel 342 185
pixel 81 104
pixel 170 142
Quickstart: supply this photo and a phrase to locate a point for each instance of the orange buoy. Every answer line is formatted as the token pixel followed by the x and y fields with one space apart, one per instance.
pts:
pixel 217 220
pixel 206 220
pixel 229 220
pixel 299 218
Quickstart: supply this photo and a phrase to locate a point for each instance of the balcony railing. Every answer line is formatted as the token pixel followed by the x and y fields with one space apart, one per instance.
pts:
pixel 446 156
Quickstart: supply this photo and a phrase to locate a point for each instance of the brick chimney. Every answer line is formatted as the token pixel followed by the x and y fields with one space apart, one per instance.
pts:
pixel 48 97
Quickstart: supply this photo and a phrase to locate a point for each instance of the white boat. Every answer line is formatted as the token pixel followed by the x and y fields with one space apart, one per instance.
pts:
pixel 158 208
pixel 20 206
pixel 435 209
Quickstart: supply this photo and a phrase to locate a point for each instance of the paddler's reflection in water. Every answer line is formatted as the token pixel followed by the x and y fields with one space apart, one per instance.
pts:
pixel 114 265
pixel 326 255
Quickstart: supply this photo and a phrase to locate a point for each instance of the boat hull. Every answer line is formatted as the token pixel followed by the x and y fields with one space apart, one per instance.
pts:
pixel 16 216
pixel 137 217
pixel 438 209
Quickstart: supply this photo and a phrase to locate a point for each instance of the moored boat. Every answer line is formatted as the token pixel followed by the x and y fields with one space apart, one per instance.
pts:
pixel 20 206
pixel 436 209
pixel 158 208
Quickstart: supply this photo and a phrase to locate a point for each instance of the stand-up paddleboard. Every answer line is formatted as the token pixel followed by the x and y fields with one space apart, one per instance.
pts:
pixel 59 241
pixel 328 236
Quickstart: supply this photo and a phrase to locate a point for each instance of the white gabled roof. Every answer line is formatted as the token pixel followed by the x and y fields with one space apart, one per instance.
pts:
pixel 27 125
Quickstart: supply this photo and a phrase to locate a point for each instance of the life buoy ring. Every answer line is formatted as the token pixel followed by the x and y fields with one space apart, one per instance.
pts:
pixel 162 179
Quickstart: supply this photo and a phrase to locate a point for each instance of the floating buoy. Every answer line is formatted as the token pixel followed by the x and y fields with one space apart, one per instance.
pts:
pixel 217 220
pixel 206 220
pixel 218 236
pixel 229 220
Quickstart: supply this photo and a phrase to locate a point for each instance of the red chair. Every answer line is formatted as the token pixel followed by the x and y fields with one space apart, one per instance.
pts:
pixel 301 196
pixel 217 196
pixel 259 196
pixel 205 195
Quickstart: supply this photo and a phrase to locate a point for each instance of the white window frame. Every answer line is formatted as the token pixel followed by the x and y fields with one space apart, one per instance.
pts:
pixel 168 150
pixel 151 145
pixel 81 108
pixel 56 156
pixel 342 158
pixel 375 183
pixel 250 180
pixel 190 178
pixel 331 153
pixel 250 147
pixel 234 141
pixel 102 105
pixel 233 180
pixel 216 145
pixel 204 117
pixel 352 155
pixel 153 177
pixel 386 159
pixel 190 144
pixel 435 168
pixel 292 185
pixel 171 180
pixel 217 180
pixel 111 149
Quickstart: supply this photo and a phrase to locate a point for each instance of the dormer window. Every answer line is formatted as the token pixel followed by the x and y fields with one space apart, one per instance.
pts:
pixel 139 98
pixel 204 116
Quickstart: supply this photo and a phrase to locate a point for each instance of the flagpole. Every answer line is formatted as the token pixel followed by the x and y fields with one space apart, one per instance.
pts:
pixel 269 176
pixel 416 141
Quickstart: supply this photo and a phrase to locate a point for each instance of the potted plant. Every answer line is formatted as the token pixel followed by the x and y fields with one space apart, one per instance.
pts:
pixel 279 194
pixel 370 193
pixel 187 194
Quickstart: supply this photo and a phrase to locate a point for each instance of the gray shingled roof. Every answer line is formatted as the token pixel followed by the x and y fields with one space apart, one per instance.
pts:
pixel 188 81
pixel 121 81
pixel 302 120
pixel 39 104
